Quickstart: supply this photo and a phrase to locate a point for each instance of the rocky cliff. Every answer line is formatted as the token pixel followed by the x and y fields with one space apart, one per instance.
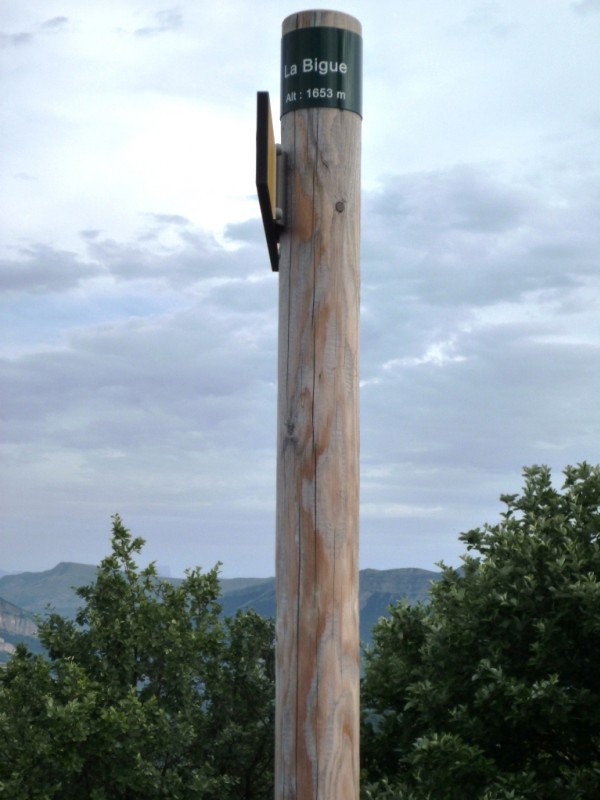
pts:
pixel 16 621
pixel 15 625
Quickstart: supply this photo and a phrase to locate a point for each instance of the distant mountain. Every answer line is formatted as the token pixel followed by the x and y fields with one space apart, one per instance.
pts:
pixel 55 588
pixel 36 591
pixel 31 593
pixel 378 589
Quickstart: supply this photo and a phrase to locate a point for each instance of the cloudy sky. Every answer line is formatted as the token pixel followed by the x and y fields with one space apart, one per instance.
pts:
pixel 139 318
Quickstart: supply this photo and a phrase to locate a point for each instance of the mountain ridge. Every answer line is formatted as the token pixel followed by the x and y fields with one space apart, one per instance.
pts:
pixel 27 594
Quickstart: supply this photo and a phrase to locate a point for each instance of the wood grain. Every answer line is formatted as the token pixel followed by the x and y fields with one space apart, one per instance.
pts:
pixel 317 717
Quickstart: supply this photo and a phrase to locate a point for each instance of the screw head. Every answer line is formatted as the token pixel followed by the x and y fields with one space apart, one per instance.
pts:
pixel 340 206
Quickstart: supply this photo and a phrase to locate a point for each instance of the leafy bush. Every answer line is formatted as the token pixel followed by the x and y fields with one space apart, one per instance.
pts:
pixel 147 694
pixel 492 690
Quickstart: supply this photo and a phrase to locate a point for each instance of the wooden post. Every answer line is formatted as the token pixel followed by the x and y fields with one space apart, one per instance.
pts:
pixel 317 717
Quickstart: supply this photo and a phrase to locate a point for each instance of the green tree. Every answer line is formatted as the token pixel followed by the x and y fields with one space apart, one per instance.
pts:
pixel 491 691
pixel 147 694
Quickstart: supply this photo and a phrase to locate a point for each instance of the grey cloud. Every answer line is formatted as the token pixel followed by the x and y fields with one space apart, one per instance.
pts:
pixel 259 293
pixel 26 37
pixel 167 20
pixel 450 429
pixel 249 232
pixel 471 394
pixel 586 6
pixel 90 234
pixel 460 238
pixel 55 23
pixel 44 269
pixel 195 379
pixel 174 408
pixel 198 258
pixel 194 256
pixel 15 39
pixel 190 257
pixel 486 17
pixel 169 219
pixel 462 198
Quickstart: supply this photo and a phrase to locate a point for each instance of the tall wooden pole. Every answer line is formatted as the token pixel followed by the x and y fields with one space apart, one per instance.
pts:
pixel 317 717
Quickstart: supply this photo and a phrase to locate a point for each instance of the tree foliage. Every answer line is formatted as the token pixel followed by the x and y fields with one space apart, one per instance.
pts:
pixel 147 694
pixel 492 690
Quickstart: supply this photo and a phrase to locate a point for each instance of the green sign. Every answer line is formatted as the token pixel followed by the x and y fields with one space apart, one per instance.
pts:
pixel 321 67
